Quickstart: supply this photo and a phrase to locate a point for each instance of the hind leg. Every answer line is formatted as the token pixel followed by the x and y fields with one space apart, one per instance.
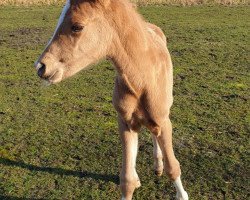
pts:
pixel 158 163
pixel 129 179
pixel 171 164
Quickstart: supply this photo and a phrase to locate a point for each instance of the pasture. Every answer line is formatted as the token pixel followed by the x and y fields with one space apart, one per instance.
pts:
pixel 139 2
pixel 61 142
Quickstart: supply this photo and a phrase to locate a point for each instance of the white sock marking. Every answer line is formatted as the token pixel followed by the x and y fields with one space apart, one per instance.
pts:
pixel 134 154
pixel 181 193
pixel 61 18
pixel 178 185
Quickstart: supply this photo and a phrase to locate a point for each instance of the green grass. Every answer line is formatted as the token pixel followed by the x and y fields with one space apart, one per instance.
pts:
pixel 139 2
pixel 61 142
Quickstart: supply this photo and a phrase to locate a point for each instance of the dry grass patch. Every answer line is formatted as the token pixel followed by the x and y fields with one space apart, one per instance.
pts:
pixel 140 2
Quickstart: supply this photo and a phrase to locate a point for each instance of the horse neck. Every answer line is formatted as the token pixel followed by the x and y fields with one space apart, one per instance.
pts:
pixel 130 39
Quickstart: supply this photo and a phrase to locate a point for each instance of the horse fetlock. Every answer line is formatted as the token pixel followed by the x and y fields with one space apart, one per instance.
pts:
pixel 174 171
pixel 130 183
pixel 128 189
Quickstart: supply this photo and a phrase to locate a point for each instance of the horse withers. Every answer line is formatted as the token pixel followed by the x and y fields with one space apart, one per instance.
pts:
pixel 91 30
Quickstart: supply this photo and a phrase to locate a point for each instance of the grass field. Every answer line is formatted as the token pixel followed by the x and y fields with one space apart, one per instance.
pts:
pixel 61 142
pixel 139 2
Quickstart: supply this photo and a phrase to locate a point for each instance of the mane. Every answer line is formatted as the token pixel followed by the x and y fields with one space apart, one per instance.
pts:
pixel 129 24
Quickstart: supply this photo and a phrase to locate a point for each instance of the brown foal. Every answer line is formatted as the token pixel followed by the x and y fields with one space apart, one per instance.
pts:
pixel 90 30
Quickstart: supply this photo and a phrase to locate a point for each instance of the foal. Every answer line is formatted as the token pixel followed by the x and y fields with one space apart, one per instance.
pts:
pixel 90 30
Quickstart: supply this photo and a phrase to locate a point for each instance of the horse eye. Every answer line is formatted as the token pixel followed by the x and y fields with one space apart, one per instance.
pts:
pixel 76 28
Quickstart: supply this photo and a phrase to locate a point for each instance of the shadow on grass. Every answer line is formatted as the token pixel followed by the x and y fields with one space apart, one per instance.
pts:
pixel 62 172
pixel 16 198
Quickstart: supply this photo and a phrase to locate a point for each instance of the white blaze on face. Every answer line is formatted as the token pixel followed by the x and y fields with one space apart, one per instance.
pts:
pixel 61 18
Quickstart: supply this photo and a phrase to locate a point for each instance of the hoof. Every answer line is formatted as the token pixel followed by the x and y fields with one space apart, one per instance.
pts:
pixel 183 196
pixel 158 172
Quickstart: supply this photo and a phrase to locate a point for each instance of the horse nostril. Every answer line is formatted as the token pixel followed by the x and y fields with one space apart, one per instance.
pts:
pixel 41 70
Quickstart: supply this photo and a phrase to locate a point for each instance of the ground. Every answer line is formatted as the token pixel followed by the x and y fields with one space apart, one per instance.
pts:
pixel 61 142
